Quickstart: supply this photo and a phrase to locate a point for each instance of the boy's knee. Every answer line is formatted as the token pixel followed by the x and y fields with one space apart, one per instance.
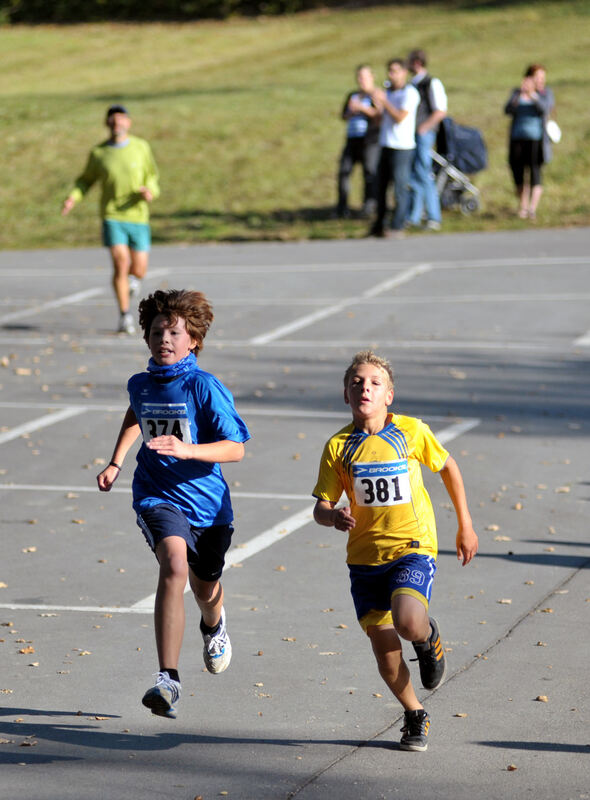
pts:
pixel 174 568
pixel 410 618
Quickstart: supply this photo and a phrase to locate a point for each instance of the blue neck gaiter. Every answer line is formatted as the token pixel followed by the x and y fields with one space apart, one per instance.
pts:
pixel 169 371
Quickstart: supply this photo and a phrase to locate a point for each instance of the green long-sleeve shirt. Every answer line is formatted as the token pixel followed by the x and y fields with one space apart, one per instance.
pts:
pixel 121 171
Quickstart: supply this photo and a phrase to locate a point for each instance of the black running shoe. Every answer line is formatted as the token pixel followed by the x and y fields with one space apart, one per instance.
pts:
pixel 415 731
pixel 431 658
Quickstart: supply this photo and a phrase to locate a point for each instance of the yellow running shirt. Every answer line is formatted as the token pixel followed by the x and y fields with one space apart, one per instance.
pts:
pixel 121 171
pixel 381 476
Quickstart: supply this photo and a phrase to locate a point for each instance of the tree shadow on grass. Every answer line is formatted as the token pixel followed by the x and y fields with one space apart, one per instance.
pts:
pixel 244 226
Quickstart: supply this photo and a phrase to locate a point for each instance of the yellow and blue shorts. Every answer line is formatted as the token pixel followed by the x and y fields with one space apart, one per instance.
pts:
pixel 374 587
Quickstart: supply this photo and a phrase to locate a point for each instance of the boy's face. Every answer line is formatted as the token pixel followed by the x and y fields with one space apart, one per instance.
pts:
pixel 368 392
pixel 398 75
pixel 169 343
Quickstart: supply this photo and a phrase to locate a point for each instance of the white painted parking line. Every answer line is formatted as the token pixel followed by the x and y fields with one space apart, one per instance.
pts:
pixel 329 311
pixel 457 429
pixel 240 553
pixel 36 487
pixel 251 411
pixel 398 344
pixel 41 422
pixel 69 299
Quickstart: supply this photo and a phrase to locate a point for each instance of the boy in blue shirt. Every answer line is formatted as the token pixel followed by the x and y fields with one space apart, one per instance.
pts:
pixel 189 426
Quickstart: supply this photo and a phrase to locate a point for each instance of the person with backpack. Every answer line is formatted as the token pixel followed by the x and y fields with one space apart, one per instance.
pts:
pixel 432 109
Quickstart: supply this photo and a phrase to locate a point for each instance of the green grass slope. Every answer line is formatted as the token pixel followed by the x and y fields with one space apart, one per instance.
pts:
pixel 243 116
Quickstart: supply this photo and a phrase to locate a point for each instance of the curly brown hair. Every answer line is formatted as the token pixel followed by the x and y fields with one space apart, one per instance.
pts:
pixel 193 307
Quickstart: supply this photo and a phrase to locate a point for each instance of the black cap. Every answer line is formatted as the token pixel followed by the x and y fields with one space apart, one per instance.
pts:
pixel 116 109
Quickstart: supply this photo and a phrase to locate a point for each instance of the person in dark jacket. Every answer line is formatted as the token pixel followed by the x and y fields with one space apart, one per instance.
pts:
pixel 362 142
pixel 529 106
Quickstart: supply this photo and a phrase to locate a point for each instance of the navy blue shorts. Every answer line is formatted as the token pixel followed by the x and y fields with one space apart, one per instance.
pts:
pixel 205 547
pixel 373 587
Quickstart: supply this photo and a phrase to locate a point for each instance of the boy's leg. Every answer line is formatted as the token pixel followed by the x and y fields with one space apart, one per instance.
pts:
pixel 169 616
pixel 217 649
pixel 387 649
pixel 411 620
pixel 410 617
pixel 394 671
pixel 209 597
pixel 169 625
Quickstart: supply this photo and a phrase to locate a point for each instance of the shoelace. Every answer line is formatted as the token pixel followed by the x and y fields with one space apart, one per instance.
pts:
pixel 216 643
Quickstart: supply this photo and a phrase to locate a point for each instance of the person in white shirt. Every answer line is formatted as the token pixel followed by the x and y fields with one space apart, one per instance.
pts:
pixel 399 104
pixel 432 109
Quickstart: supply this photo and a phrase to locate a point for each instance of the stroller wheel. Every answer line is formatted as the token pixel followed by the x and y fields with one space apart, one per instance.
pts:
pixel 469 204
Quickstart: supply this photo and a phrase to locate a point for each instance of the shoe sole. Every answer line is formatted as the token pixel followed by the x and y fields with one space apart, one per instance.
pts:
pixel 158 705
pixel 414 748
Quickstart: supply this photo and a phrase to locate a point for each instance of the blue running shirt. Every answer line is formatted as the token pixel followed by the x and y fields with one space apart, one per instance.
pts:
pixel 198 409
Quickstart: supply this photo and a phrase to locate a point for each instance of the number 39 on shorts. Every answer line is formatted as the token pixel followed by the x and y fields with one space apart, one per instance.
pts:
pixel 381 484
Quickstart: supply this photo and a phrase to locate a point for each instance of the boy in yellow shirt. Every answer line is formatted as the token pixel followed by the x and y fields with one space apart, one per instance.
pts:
pixel 392 544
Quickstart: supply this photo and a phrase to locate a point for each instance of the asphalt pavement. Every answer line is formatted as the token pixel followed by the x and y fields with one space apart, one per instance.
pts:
pixel 489 335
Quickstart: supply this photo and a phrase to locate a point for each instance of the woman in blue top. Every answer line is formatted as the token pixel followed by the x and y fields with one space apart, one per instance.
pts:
pixel 529 106
pixel 189 427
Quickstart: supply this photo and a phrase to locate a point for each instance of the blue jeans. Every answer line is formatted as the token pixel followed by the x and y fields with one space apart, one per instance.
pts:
pixel 423 188
pixel 394 166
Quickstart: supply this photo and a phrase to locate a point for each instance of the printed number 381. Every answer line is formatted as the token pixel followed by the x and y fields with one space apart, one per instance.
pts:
pixel 380 490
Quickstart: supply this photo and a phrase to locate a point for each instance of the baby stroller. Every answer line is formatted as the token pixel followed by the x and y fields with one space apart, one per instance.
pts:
pixel 460 150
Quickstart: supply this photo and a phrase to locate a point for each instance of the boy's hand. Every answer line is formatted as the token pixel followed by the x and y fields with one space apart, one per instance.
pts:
pixel 467 544
pixel 170 446
pixel 107 477
pixel 343 519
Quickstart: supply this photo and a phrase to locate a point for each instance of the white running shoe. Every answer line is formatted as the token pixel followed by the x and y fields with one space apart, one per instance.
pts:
pixel 162 697
pixel 126 323
pixel 217 649
pixel 134 285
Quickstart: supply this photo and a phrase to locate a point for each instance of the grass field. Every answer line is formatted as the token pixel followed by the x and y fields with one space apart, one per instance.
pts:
pixel 243 116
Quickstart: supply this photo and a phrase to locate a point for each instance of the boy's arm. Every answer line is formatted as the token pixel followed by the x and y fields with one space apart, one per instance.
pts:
pixel 324 513
pixel 129 432
pixel 466 536
pixel 220 452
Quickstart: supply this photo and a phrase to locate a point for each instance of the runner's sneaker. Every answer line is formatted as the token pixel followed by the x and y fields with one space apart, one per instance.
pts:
pixel 134 285
pixel 126 323
pixel 217 649
pixel 162 697
pixel 431 658
pixel 415 730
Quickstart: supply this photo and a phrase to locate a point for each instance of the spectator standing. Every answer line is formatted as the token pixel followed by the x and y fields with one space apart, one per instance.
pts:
pixel 530 147
pixel 398 105
pixel 432 109
pixel 127 172
pixel 362 142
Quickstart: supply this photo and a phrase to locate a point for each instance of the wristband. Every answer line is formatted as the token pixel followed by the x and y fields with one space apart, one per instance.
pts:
pixel 114 464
